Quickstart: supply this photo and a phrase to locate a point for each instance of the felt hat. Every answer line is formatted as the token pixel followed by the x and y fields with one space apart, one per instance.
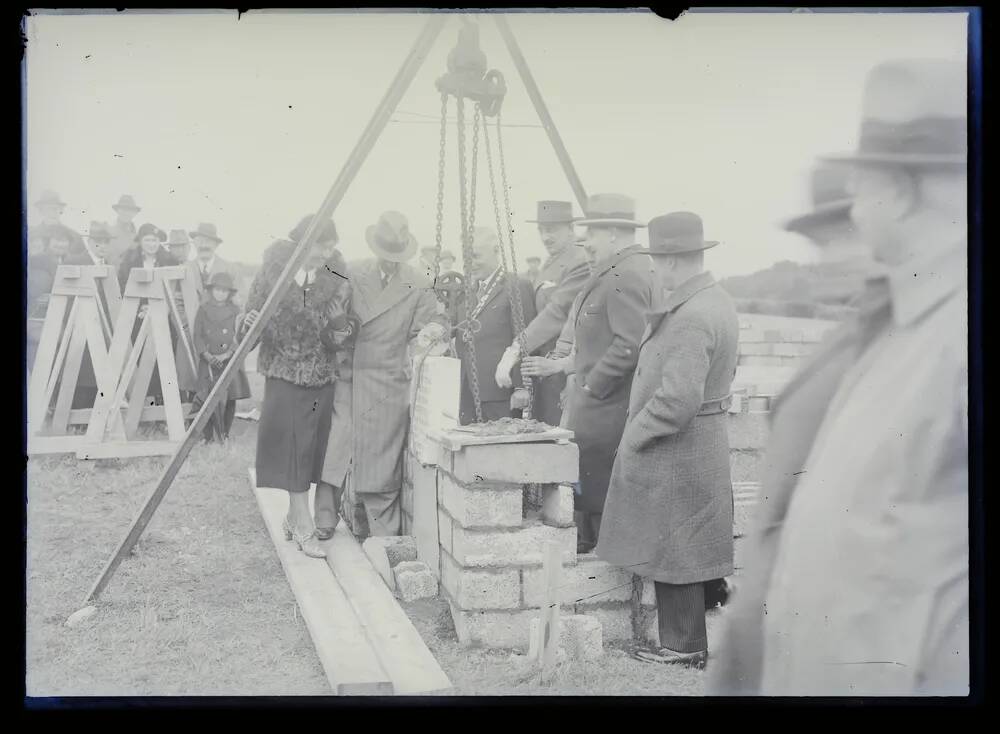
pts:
pixel 830 200
pixel 178 237
pixel 533 259
pixel 126 201
pixel 610 210
pixel 390 238
pixel 206 229
pixel 554 212
pixel 327 230
pixel 148 228
pixel 913 113
pixel 50 198
pixel 222 279
pixel 677 233
pixel 447 255
pixel 99 231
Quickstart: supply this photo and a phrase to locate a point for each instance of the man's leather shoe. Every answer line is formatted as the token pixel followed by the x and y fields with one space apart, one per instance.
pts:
pixel 665 656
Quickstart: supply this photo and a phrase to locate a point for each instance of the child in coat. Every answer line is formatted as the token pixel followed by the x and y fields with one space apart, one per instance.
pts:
pixel 215 340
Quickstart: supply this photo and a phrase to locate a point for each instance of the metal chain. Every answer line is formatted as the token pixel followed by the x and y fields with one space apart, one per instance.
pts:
pixel 519 315
pixel 516 307
pixel 475 173
pixel 440 197
pixel 467 329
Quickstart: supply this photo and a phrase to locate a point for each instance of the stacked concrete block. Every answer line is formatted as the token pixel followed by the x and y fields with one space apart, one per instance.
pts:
pixel 499 505
pixel 747 427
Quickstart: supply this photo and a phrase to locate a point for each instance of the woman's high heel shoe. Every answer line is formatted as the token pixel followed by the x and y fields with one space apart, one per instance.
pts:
pixel 307 543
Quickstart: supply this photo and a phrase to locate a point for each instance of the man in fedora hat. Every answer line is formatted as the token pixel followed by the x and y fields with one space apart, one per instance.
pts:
pixel 392 302
pixel 859 554
pixel 123 230
pixel 199 272
pixel 179 245
pixel 828 226
pixel 98 246
pixel 492 310
pixel 51 208
pixel 609 322
pixel 669 511
pixel 558 282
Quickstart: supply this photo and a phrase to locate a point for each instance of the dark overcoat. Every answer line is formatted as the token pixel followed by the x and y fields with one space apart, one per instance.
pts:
pixel 669 511
pixel 609 325
pixel 495 334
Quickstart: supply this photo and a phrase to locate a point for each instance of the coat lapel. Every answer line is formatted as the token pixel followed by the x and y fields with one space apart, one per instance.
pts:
pixel 381 300
pixel 598 273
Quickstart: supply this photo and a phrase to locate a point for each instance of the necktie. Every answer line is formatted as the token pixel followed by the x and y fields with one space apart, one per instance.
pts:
pixel 874 309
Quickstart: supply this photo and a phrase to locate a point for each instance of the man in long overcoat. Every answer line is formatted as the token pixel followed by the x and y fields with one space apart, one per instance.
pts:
pixel 856 578
pixel 496 331
pixel 669 512
pixel 609 324
pixel 558 282
pixel 391 302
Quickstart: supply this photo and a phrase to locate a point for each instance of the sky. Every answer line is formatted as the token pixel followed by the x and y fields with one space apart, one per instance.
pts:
pixel 204 117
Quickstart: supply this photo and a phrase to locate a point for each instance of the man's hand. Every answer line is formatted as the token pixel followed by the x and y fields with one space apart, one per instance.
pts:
pixel 519 399
pixel 506 364
pixel 540 367
pixel 143 310
pixel 250 318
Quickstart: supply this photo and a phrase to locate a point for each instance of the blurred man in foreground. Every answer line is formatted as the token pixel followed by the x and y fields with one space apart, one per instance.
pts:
pixel 860 553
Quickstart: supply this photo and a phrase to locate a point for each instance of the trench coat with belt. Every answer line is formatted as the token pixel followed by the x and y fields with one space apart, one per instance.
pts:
pixel 389 318
pixel 609 325
pixel 669 511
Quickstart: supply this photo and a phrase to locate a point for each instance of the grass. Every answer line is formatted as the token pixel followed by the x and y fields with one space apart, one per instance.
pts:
pixel 202 606
pixel 484 672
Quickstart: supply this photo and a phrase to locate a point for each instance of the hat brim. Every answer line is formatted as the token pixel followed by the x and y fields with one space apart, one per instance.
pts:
pixel 897 159
pixel 553 221
pixel 824 213
pixel 40 203
pixel 402 256
pixel 609 223
pixel 118 207
pixel 192 235
pixel 706 245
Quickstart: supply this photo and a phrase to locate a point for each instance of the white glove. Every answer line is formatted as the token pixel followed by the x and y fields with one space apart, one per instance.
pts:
pixel 507 362
pixel 431 333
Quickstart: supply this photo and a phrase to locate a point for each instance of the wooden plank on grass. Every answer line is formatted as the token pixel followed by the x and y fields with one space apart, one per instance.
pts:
pixel 401 650
pixel 350 663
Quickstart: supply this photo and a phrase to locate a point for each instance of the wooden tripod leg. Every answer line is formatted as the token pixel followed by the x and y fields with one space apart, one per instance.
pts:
pixel 139 390
pixel 42 368
pixel 183 331
pixel 70 375
pixel 121 353
pixel 97 346
pixel 57 367
pixel 168 371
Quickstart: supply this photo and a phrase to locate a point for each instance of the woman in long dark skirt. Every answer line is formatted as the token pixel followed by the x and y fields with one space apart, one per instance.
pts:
pixel 298 359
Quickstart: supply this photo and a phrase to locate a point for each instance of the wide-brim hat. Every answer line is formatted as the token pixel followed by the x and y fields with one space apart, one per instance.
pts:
pixel 554 212
pixel 677 233
pixel 50 198
pixel 830 200
pixel 152 229
pixel 125 201
pixel 327 230
pixel 99 231
pixel 178 237
pixel 390 239
pixel 222 279
pixel 610 210
pixel 206 229
pixel 913 114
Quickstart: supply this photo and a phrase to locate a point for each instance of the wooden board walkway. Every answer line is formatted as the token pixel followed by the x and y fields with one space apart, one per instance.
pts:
pixel 365 641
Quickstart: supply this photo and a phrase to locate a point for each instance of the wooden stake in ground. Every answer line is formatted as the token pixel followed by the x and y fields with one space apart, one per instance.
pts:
pixel 381 117
pixel 544 647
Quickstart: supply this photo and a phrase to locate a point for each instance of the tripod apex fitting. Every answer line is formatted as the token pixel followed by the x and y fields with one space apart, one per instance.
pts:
pixel 467 75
